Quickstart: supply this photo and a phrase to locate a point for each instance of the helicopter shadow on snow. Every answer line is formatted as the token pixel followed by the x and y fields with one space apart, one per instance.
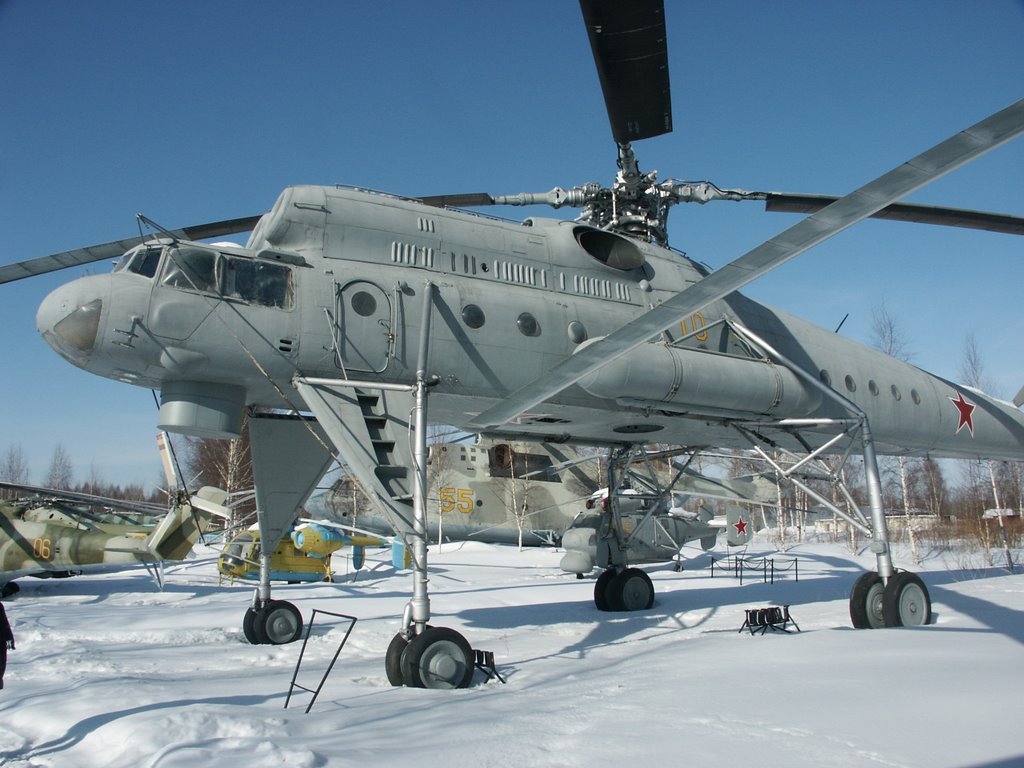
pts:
pixel 83 728
pixel 690 607
pixel 96 589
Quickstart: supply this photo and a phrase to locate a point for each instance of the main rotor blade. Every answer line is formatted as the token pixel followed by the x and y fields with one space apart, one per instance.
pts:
pixel 631 53
pixel 912 175
pixel 72 497
pixel 79 256
pixel 914 212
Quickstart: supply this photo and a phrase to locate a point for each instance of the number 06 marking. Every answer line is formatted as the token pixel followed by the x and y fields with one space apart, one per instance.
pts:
pixel 42 549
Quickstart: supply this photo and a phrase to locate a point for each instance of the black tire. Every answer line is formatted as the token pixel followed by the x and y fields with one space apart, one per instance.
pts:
pixel 866 602
pixel 393 659
pixel 249 627
pixel 279 622
pixel 439 657
pixel 631 590
pixel 906 602
pixel 601 590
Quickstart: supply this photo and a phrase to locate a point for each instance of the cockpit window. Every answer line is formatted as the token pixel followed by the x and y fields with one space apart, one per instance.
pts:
pixel 269 285
pixel 142 261
pixel 252 281
pixel 190 268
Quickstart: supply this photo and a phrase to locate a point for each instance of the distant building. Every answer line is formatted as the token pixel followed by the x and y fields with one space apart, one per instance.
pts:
pixel 1001 513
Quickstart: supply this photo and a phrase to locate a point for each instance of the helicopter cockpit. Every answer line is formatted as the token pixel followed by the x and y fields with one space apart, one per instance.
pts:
pixel 189 267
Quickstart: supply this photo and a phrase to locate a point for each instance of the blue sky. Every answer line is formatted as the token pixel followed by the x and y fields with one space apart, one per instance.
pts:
pixel 194 111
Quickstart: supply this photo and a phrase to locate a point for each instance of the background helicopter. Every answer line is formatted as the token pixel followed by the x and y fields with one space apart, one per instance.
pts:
pixel 51 533
pixel 48 533
pixel 281 231
pixel 492 491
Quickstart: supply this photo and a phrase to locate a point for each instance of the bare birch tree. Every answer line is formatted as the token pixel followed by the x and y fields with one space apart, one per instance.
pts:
pixel 60 473
pixel 972 373
pixel 13 468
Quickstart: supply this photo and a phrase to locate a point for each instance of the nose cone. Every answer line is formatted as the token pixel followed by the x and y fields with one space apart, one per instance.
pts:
pixel 69 319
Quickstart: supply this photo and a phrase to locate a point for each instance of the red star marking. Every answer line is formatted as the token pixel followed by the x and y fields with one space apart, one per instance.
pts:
pixel 740 526
pixel 966 410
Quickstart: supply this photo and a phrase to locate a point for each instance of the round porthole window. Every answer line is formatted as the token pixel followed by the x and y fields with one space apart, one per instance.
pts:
pixel 528 325
pixel 473 316
pixel 851 385
pixel 363 303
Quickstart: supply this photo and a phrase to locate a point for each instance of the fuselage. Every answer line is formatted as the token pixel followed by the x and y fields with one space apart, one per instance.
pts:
pixel 331 285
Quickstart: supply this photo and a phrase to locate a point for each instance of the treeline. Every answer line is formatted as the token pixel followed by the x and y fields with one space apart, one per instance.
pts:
pixel 60 476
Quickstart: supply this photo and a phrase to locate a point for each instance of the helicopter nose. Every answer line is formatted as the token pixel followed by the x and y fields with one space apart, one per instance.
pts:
pixel 69 320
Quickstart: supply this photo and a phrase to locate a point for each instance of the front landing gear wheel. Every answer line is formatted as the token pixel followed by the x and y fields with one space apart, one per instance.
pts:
pixel 437 658
pixel 631 590
pixel 393 659
pixel 249 626
pixel 278 622
pixel 906 602
pixel 866 602
pixel 602 598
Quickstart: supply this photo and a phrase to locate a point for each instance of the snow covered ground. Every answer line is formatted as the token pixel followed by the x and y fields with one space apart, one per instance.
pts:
pixel 111 672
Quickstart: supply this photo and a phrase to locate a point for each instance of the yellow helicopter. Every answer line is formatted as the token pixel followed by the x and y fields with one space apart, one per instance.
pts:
pixel 304 555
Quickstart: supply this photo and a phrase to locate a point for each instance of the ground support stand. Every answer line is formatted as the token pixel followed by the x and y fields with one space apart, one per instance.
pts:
pixel 773 618
pixel 309 629
pixel 484 661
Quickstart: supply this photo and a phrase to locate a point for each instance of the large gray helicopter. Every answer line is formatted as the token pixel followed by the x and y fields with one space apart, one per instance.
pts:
pixel 349 311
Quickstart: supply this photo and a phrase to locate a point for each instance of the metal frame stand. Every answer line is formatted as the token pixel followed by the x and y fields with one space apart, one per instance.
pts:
pixel 309 629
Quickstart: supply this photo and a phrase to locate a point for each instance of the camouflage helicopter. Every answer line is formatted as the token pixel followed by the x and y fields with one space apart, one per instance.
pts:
pixel 348 311
pixel 47 533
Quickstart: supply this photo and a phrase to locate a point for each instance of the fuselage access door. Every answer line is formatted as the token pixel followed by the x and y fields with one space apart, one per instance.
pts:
pixel 366 335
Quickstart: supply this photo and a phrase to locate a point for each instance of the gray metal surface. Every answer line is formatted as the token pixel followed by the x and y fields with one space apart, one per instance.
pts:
pixel 859 204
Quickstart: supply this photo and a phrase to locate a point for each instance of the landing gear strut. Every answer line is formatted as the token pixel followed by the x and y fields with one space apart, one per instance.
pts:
pixel 885 598
pixel 621 587
pixel 422 656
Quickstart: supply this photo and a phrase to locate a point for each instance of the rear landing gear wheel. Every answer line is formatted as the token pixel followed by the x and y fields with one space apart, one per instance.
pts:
pixel 439 657
pixel 631 590
pixel 866 602
pixel 906 602
pixel 278 622
pixel 602 598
